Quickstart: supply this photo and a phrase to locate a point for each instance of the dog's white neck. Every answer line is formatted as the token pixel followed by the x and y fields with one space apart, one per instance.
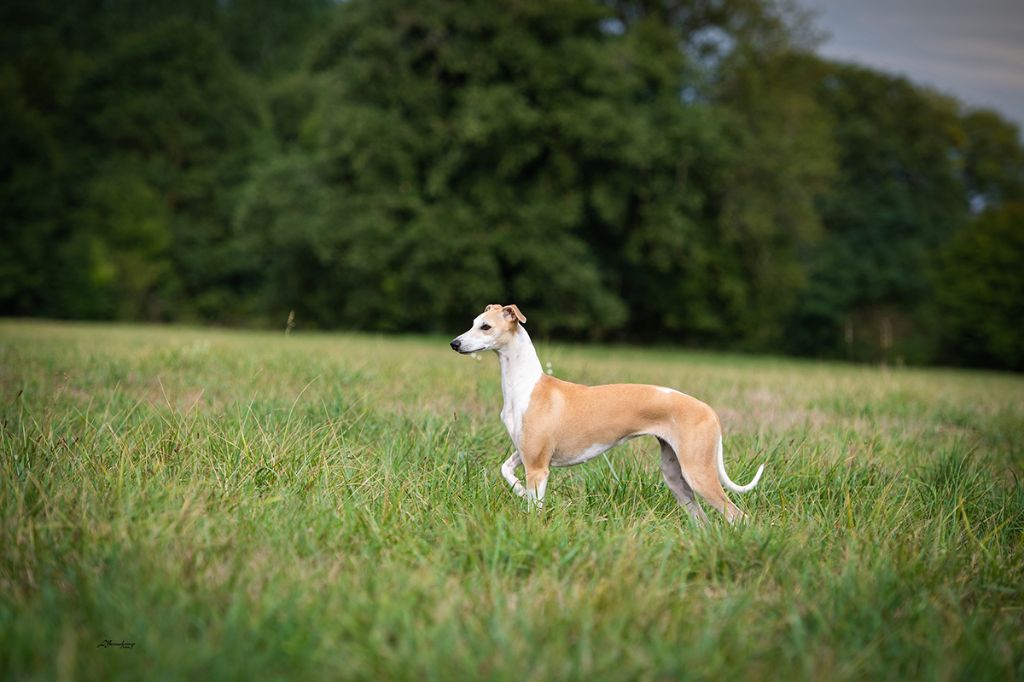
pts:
pixel 520 372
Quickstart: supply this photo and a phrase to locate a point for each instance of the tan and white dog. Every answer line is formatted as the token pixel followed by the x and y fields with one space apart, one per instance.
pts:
pixel 558 423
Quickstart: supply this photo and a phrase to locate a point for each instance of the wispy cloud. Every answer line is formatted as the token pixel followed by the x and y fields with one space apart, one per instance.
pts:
pixel 974 50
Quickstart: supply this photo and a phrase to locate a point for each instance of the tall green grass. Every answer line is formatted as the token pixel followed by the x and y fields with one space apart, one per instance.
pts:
pixel 251 506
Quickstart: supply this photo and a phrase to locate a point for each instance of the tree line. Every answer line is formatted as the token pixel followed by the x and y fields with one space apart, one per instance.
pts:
pixel 671 171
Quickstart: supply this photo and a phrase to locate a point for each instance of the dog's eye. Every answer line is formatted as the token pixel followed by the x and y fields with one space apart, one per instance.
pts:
pixel 485 327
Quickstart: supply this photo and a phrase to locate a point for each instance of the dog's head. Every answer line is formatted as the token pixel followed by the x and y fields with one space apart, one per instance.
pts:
pixel 492 329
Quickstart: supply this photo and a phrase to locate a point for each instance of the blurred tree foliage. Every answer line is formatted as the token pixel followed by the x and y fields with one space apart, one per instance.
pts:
pixel 980 291
pixel 683 171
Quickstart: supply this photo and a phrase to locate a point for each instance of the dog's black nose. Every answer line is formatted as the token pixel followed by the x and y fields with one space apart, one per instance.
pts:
pixel 455 344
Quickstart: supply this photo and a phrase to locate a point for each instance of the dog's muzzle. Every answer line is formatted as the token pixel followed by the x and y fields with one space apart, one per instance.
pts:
pixel 456 344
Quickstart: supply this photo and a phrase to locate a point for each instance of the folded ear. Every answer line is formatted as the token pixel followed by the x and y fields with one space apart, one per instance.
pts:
pixel 491 307
pixel 512 312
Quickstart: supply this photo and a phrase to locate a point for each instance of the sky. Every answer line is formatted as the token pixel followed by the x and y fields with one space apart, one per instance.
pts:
pixel 972 49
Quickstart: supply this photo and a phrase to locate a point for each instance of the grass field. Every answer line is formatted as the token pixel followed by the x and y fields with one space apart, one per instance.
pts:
pixel 254 506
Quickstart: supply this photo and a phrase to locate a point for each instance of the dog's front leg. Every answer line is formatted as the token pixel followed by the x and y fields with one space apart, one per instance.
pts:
pixel 508 470
pixel 536 484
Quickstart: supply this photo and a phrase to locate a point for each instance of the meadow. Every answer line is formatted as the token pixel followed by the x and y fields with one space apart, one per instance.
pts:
pixel 243 505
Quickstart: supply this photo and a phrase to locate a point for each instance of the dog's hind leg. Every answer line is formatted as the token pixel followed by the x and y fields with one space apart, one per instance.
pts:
pixel 697 449
pixel 677 484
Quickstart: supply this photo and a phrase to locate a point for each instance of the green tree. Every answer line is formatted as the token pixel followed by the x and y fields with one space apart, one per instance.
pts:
pixel 897 197
pixel 549 145
pixel 438 132
pixel 122 238
pixel 168 108
pixel 37 74
pixel 268 37
pixel 781 165
pixel 31 160
pixel 115 148
pixel 993 159
pixel 680 170
pixel 980 291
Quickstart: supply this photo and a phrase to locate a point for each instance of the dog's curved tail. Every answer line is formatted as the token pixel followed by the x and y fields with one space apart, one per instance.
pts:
pixel 724 477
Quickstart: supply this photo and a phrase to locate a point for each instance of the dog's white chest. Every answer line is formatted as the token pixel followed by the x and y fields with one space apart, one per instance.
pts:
pixel 513 412
pixel 513 424
pixel 520 372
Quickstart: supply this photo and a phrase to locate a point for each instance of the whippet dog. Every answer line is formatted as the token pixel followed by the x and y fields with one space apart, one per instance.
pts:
pixel 558 423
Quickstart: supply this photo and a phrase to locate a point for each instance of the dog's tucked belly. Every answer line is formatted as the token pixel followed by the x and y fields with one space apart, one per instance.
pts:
pixel 565 459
